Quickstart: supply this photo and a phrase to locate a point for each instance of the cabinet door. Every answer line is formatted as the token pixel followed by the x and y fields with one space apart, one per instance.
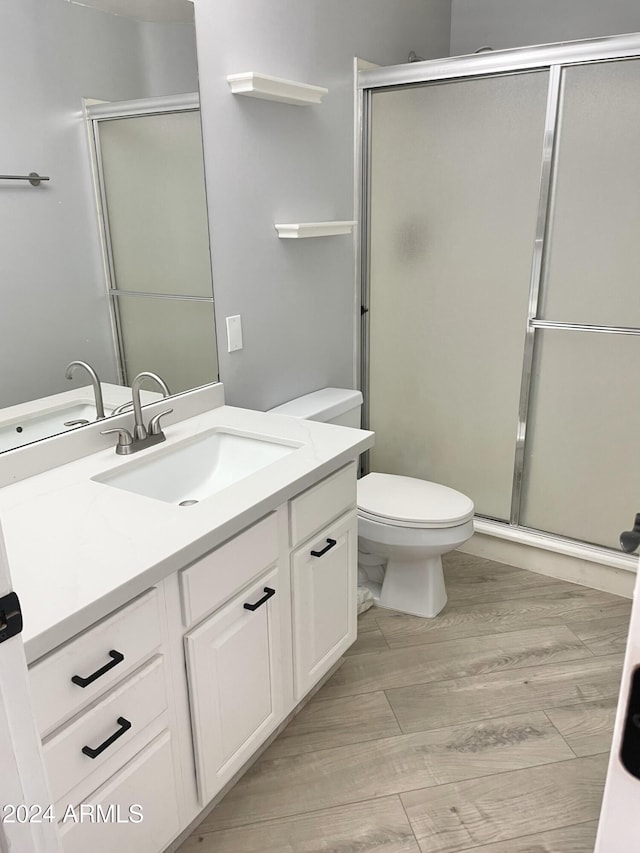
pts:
pixel 234 663
pixel 324 575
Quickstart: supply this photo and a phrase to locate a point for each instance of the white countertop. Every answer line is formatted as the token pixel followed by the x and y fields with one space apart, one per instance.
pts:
pixel 78 549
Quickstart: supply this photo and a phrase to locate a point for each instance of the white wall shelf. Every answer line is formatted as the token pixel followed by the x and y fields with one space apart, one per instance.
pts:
pixel 268 88
pixel 296 230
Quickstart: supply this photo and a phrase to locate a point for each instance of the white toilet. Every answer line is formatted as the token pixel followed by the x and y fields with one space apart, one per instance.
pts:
pixel 404 524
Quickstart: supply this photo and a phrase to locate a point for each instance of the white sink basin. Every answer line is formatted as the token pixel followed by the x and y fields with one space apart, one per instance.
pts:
pixel 198 468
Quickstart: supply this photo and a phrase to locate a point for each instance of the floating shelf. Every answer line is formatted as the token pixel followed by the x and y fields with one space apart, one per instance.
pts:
pixel 314 229
pixel 275 89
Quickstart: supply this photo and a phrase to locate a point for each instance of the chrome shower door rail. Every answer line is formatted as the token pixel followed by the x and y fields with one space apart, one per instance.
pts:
pixel 537 273
pixel 502 61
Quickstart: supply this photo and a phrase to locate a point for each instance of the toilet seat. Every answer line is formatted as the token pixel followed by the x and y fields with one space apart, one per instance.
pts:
pixel 409 502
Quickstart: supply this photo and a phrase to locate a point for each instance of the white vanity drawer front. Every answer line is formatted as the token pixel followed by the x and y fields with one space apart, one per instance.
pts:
pixel 313 509
pixel 114 647
pixel 105 728
pixel 147 781
pixel 219 575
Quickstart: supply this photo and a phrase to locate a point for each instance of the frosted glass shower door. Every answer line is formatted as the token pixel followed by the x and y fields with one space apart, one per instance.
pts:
pixel 581 478
pixel 455 178
pixel 154 198
pixel 592 250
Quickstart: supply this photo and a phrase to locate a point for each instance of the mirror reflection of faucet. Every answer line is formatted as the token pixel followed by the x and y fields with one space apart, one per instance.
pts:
pixel 97 390
pixel 142 436
pixel 159 381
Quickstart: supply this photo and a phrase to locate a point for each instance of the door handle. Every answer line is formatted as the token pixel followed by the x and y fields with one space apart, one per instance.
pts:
pixel 269 593
pixel 92 752
pixel 327 547
pixel 116 658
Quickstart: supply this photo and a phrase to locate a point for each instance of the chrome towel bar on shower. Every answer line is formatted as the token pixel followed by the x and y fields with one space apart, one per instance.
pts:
pixel 33 177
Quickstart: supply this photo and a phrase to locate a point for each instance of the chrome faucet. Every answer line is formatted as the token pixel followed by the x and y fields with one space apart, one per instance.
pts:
pixel 139 429
pixel 142 436
pixel 97 390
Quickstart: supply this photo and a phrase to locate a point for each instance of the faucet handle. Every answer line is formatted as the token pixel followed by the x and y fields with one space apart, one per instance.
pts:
pixel 125 440
pixel 154 422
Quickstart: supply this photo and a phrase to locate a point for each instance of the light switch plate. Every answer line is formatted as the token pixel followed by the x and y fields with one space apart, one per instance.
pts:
pixel 234 333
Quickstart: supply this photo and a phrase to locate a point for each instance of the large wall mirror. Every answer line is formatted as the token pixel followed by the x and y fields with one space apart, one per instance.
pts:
pixel 108 261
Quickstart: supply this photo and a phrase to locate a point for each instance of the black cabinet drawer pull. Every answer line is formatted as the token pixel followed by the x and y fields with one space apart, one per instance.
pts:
pixel 268 594
pixel 125 725
pixel 327 547
pixel 116 658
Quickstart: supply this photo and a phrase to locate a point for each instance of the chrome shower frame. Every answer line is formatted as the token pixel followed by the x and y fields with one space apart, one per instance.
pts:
pixel 554 58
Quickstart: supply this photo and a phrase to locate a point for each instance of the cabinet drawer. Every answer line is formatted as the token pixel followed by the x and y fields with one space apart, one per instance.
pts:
pixel 114 721
pixel 102 656
pixel 109 823
pixel 314 508
pixel 215 578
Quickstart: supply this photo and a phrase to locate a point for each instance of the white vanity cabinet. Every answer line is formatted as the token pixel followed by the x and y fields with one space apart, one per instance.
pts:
pixel 160 704
pixel 300 607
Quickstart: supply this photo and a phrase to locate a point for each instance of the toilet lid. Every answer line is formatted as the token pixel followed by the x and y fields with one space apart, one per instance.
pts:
pixel 408 501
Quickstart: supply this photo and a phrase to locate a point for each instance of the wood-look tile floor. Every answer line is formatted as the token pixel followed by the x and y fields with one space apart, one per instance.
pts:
pixel 485 729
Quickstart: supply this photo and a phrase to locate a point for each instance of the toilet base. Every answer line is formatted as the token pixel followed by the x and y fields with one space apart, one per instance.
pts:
pixel 416 587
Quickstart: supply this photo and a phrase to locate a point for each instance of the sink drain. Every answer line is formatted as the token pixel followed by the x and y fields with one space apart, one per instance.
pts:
pixel 187 503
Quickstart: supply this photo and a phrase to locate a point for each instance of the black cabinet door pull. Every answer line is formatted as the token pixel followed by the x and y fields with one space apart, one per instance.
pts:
pixel 125 725
pixel 327 547
pixel 116 658
pixel 268 593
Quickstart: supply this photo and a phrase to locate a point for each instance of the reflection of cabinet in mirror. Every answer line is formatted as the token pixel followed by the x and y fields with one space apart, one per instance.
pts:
pixel 153 206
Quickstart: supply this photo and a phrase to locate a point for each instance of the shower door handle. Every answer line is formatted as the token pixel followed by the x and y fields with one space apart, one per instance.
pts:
pixel 630 539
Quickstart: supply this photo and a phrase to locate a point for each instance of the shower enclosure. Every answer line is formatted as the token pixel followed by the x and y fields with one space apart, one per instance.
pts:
pixel 500 269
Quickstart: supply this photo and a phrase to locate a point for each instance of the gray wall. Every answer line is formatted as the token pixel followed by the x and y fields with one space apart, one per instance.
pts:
pixel 169 52
pixel 514 23
pixel 270 162
pixel 52 291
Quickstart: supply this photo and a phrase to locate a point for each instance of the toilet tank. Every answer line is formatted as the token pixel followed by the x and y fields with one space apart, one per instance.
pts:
pixel 331 405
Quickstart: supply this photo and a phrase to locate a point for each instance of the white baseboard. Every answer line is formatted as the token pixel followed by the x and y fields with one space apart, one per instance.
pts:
pixel 540 559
